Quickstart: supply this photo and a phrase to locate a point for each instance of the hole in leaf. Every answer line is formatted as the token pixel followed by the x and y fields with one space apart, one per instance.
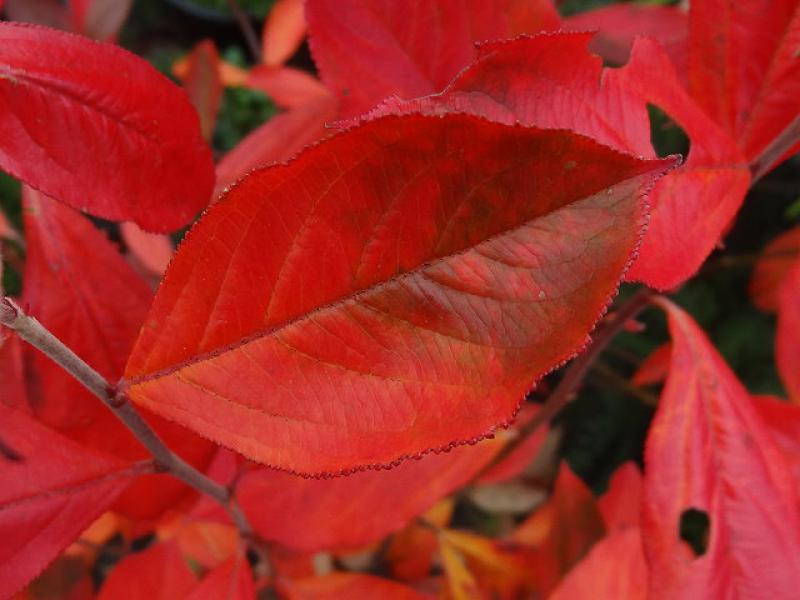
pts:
pixel 694 528
pixel 666 135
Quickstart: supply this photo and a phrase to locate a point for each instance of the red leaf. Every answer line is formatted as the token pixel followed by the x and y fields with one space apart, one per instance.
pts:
pixel 743 68
pixel 654 368
pixel 367 51
pixel 277 140
pixel 787 336
pixel 91 134
pixel 203 84
pixel 284 31
pixel 81 289
pixel 368 319
pixel 619 24
pixel 49 496
pixel 692 206
pixel 783 420
pixel 158 573
pixel 287 87
pixel 708 450
pixel 622 502
pixel 775 261
pixel 353 586
pixel 347 512
pixel 232 580
pixel 614 570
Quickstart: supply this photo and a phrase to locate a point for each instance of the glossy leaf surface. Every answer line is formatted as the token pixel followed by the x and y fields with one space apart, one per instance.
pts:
pixel 49 495
pixel 367 51
pixel 89 135
pixel 439 234
pixel 708 450
pixel 347 512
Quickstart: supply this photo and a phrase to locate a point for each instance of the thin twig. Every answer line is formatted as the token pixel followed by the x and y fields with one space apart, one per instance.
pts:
pixel 611 377
pixel 567 388
pixel 33 332
pixel 246 26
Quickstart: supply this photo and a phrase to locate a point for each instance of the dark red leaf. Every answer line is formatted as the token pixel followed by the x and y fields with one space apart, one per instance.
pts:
pixel 367 51
pixel 98 128
pixel 369 318
pixel 99 19
pixel 709 452
pixel 158 573
pixel 49 496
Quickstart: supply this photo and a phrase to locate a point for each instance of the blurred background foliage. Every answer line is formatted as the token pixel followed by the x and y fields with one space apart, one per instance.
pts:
pixel 607 423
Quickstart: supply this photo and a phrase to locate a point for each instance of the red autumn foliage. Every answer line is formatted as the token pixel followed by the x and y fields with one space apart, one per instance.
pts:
pixel 321 393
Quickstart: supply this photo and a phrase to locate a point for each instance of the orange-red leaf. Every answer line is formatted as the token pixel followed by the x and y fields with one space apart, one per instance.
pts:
pixel 787 336
pixel 79 120
pixel 367 51
pixel 654 368
pixel 283 33
pixel 287 87
pixel 347 512
pixel 204 85
pixel 395 289
pixel 52 492
pixel 708 450
pixel 158 573
pixel 769 272
pixel 615 569
pixel 353 586
pixel 744 70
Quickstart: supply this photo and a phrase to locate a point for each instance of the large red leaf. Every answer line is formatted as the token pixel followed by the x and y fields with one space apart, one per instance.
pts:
pixel 347 512
pixel 98 128
pixel 353 586
pixel 743 67
pixel 526 80
pixel 614 570
pixel 356 306
pixel 708 450
pixel 83 291
pixel 158 573
pixel 368 50
pixel 787 336
pixel 50 494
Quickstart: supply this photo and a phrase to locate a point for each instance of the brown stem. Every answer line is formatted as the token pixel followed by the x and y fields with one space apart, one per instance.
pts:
pixel 787 138
pixel 567 388
pixel 246 26
pixel 33 332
